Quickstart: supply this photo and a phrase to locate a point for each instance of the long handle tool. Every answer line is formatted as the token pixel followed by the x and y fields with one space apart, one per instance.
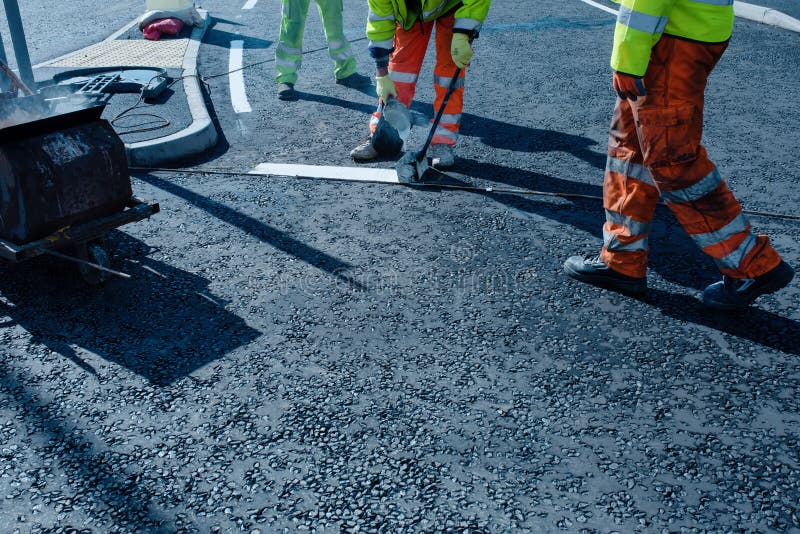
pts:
pixel 412 165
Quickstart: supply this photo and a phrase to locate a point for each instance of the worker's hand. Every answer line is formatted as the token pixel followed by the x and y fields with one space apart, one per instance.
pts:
pixel 629 87
pixel 385 87
pixel 461 50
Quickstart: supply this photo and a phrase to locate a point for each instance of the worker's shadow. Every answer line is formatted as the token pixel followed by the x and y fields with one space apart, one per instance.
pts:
pixel 162 324
pixel 673 255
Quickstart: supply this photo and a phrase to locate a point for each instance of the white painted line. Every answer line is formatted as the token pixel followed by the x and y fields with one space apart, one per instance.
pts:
pixel 238 94
pixel 764 15
pixel 322 172
pixel 600 6
pixel 250 4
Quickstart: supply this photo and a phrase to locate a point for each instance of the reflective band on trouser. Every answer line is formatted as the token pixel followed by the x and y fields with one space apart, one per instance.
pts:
pixel 642 22
pixel 614 244
pixel 632 170
pixel 706 185
pixel 444 81
pixel 403 77
pixel 447 132
pixel 629 198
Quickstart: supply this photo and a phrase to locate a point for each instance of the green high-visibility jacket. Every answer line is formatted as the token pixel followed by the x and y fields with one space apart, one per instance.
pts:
pixel 384 15
pixel 641 23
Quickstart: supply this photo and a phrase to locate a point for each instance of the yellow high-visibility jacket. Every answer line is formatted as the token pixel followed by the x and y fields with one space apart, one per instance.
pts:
pixel 384 15
pixel 641 23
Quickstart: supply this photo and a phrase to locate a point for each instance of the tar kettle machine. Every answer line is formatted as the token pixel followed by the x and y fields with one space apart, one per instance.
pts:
pixel 64 178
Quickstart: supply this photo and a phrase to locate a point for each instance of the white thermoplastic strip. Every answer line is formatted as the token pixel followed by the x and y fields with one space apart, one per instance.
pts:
pixel 238 94
pixel 322 172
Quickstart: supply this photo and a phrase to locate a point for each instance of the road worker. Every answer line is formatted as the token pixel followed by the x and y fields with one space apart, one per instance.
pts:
pixel 289 52
pixel 398 33
pixel 664 51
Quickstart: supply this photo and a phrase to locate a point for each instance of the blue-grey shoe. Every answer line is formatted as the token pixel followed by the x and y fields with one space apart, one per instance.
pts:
pixel 735 293
pixel 592 270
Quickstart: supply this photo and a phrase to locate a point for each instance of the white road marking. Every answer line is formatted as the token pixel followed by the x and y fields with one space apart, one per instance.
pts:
pixel 600 6
pixel 322 172
pixel 250 4
pixel 238 93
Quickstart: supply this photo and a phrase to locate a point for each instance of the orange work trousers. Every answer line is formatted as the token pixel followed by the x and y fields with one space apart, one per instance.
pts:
pixel 654 150
pixel 406 62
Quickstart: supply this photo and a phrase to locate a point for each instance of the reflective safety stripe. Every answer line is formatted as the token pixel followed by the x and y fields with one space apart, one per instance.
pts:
pixel 634 227
pixel 738 224
pixel 734 259
pixel 696 191
pixel 374 120
pixel 641 21
pixel 288 51
pixel 714 2
pixel 341 56
pixel 336 45
pixel 373 17
pixel 441 81
pixel 611 243
pixel 451 119
pixel 388 44
pixel 444 132
pixel 631 170
pixel 467 24
pixel 403 77
pixel 289 64
pixel 426 14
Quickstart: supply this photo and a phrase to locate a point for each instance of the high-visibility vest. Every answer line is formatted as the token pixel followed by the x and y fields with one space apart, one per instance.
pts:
pixel 384 15
pixel 641 23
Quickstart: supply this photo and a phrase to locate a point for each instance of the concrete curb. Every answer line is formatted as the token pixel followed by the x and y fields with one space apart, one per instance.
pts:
pixel 765 15
pixel 198 136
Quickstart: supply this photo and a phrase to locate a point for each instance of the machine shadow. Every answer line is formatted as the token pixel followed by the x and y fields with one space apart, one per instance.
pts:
pixel 161 324
pixel 753 324
pixel 134 504
pixel 265 233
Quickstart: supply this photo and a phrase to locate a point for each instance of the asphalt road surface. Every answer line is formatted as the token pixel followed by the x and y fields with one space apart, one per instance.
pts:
pixel 298 355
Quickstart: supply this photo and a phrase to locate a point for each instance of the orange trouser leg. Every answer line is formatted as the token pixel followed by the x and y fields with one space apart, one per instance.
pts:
pixel 447 131
pixel 670 128
pixel 629 198
pixel 406 62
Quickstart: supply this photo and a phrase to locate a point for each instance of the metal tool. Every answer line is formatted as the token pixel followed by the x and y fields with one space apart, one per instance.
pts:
pixel 412 165
pixel 393 128
pixel 15 80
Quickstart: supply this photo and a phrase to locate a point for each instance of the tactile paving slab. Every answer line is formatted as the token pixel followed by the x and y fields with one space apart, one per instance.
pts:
pixel 166 54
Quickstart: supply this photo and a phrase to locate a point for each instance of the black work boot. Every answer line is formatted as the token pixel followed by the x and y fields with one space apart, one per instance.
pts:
pixel 592 270
pixel 286 92
pixel 735 293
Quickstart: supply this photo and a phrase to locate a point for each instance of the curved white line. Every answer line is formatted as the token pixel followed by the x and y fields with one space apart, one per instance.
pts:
pixel 238 93
pixel 250 4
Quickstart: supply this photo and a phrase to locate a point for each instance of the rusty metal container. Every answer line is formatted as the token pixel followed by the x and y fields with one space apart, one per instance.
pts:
pixel 60 171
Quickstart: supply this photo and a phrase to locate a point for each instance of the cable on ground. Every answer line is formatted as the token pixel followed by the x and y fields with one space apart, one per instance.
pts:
pixel 225 171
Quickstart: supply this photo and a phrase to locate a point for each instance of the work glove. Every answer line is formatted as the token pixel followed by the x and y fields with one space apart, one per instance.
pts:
pixel 461 50
pixel 385 87
pixel 628 87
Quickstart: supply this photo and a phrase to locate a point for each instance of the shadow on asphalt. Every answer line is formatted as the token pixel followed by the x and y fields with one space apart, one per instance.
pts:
pixel 756 325
pixel 87 469
pixel 222 38
pixel 265 233
pixel 161 324
pixel 672 248
pixel 493 133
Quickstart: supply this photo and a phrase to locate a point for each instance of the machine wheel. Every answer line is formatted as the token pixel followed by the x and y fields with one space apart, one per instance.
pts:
pixel 95 253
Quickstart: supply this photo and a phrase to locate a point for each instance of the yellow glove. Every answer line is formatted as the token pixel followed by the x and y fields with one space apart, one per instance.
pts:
pixel 461 50
pixel 385 87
